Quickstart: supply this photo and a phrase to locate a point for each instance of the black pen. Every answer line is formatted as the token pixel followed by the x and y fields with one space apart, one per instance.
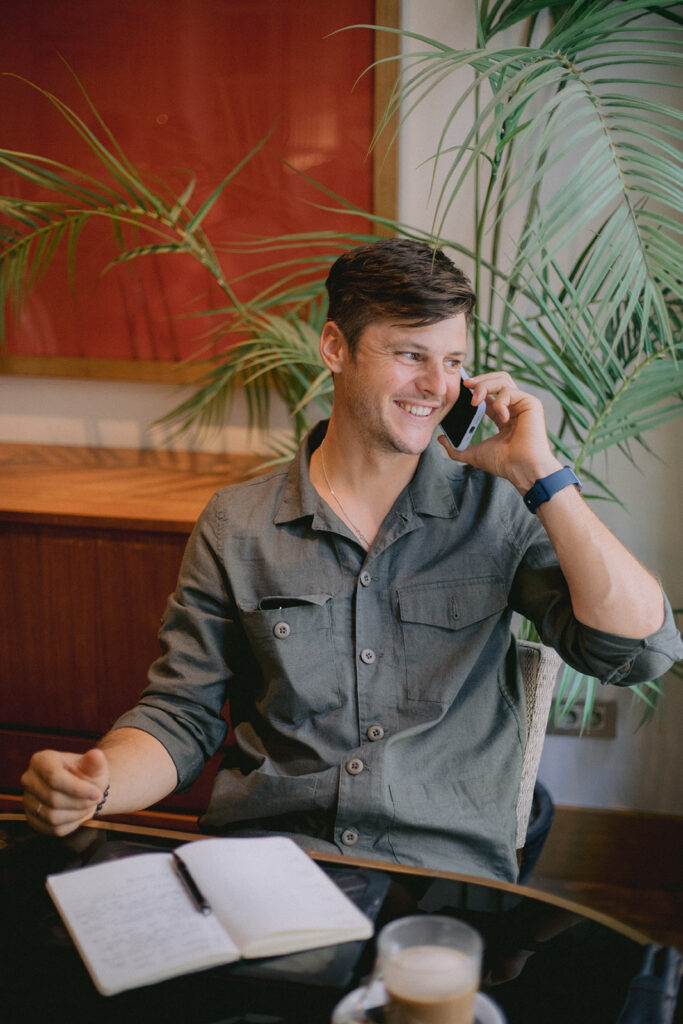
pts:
pixel 188 881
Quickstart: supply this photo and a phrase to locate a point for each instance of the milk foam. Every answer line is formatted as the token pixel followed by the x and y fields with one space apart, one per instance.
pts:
pixel 430 973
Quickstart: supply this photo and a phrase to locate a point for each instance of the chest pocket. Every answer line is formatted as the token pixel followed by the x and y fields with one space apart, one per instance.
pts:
pixel 291 638
pixel 445 627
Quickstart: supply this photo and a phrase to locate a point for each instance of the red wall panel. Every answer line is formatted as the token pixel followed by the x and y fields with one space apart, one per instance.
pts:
pixel 187 88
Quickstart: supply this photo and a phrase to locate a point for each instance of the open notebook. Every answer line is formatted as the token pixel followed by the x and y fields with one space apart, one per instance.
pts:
pixel 134 922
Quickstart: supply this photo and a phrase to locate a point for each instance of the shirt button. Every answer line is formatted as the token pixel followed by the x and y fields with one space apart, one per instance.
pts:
pixel 350 837
pixel 375 732
pixel 281 630
pixel 365 578
pixel 367 655
pixel 354 766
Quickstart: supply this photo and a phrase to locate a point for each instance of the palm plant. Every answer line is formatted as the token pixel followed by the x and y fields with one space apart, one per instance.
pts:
pixel 576 166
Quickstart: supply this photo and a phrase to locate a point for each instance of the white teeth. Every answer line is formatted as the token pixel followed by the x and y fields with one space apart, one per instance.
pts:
pixel 416 410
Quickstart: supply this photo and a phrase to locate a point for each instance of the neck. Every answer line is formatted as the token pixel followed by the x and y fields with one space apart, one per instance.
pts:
pixel 360 485
pixel 354 461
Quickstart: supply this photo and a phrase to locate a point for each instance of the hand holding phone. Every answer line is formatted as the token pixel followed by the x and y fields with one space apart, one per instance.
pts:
pixel 461 421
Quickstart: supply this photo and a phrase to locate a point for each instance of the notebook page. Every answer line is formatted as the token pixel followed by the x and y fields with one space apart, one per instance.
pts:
pixel 134 923
pixel 265 886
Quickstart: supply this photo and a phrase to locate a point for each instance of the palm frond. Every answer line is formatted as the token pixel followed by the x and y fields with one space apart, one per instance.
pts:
pixel 34 230
pixel 280 354
pixel 567 101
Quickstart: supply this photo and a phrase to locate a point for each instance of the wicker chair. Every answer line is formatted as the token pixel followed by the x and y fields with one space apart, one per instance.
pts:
pixel 539 665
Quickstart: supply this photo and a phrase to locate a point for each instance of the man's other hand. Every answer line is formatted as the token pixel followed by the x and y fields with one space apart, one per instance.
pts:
pixel 62 790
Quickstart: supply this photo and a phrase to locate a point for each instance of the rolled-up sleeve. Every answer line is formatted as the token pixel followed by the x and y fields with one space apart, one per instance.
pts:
pixel 541 594
pixel 638 660
pixel 187 685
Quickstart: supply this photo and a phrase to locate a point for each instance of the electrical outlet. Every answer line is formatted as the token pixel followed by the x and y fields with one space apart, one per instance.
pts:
pixel 602 725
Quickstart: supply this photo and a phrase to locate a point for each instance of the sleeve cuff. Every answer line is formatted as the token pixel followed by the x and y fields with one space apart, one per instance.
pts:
pixel 625 660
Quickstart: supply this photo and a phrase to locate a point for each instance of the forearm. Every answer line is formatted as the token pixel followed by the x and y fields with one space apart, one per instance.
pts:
pixel 610 590
pixel 141 771
pixel 129 770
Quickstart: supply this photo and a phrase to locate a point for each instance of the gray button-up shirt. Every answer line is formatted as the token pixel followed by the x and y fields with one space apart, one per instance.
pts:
pixel 375 697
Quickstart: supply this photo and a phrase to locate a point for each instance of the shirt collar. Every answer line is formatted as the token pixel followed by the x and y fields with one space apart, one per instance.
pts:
pixel 299 497
pixel 432 491
pixel 436 483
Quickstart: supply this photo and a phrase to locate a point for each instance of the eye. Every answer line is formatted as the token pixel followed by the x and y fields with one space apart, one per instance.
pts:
pixel 412 357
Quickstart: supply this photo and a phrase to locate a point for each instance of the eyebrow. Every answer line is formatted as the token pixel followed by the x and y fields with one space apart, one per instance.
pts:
pixel 407 342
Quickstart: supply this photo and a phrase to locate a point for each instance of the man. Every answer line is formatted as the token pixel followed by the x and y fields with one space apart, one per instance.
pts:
pixel 355 607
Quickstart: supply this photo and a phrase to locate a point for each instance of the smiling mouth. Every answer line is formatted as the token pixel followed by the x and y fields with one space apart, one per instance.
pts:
pixel 422 412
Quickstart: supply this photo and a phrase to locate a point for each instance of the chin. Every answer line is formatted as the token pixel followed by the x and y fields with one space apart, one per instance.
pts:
pixel 408 439
pixel 413 446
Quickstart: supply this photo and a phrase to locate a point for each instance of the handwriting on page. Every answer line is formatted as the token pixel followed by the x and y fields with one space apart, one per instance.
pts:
pixel 143 922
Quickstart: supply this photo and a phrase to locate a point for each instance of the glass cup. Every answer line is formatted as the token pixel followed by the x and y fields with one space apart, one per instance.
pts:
pixel 431 969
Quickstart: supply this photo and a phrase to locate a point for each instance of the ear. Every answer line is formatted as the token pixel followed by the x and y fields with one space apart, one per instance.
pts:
pixel 333 347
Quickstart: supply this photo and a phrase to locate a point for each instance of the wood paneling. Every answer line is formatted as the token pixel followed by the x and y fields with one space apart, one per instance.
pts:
pixel 79 623
pixel 90 546
pixel 49 629
pixel 620 848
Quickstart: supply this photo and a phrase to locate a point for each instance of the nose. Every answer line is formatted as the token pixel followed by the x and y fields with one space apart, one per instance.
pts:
pixel 433 379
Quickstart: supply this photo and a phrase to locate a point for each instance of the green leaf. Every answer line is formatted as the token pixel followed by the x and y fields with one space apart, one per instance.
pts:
pixel 148 250
pixel 208 204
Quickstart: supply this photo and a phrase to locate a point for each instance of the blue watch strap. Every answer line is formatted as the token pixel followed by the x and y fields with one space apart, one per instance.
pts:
pixel 544 488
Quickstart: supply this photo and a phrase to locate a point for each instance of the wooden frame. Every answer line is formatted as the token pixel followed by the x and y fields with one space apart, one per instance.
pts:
pixel 384 202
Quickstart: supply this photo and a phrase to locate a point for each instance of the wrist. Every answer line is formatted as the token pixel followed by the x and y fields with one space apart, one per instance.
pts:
pixel 103 801
pixel 546 487
pixel 524 477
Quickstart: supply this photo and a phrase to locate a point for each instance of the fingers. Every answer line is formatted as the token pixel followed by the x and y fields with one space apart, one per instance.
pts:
pixel 485 384
pixel 93 766
pixel 50 821
pixel 55 775
pixel 58 794
pixel 505 400
pixel 475 455
pixel 499 391
pixel 452 452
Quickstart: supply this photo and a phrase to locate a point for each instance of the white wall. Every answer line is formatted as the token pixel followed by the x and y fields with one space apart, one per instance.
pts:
pixel 640 771
pixel 108 414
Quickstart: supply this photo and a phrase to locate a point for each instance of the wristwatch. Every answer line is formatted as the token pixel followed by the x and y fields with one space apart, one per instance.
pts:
pixel 544 488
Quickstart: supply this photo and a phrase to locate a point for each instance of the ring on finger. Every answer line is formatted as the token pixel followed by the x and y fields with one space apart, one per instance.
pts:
pixel 37 810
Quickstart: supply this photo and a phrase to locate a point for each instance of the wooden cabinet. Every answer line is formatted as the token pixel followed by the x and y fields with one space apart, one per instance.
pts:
pixel 90 545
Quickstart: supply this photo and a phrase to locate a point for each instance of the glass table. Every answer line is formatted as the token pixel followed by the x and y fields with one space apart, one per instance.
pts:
pixel 547 960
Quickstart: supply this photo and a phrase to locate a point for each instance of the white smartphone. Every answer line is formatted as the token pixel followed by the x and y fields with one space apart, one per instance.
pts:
pixel 460 423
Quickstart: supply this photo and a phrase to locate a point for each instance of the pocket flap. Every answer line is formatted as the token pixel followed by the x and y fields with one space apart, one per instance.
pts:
pixel 452 604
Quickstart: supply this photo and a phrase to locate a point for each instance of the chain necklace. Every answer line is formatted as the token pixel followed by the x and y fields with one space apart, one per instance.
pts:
pixel 346 515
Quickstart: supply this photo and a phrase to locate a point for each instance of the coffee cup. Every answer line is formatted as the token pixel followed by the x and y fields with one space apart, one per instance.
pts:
pixel 431 969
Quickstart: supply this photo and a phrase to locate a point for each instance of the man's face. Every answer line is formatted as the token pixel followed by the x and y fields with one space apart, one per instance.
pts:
pixel 402 381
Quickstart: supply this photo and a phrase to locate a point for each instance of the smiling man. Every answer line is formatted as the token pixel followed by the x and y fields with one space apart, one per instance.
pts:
pixel 355 607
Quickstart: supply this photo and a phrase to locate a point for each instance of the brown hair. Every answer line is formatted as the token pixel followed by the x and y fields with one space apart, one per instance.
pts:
pixel 395 279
